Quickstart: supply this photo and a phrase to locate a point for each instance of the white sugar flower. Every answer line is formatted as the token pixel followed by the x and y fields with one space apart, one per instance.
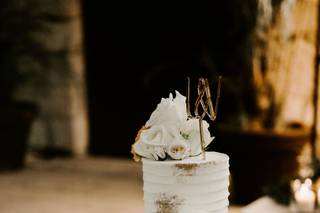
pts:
pixel 169 110
pixel 170 132
pixel 191 133
pixel 152 142
pixel 156 135
pixel 178 149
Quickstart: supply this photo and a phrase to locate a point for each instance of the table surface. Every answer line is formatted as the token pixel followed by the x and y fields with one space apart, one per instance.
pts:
pixel 84 185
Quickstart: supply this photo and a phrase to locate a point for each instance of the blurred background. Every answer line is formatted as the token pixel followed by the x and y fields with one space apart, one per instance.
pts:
pixel 79 78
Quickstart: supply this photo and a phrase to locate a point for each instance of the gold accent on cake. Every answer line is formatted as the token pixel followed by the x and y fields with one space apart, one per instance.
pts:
pixel 168 204
pixel 188 169
pixel 137 157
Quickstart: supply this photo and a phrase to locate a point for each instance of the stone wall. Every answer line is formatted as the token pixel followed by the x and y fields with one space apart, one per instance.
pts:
pixel 62 122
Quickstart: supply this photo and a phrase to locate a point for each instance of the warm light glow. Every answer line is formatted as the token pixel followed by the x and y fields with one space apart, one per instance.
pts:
pixel 304 196
pixel 318 193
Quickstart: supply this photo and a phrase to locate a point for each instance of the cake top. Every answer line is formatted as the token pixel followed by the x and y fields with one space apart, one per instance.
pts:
pixel 173 132
pixel 169 133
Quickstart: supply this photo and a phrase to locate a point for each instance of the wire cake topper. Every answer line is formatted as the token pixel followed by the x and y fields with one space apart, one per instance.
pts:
pixel 204 101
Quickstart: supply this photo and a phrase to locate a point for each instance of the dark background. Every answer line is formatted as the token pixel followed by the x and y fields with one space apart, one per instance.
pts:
pixel 136 55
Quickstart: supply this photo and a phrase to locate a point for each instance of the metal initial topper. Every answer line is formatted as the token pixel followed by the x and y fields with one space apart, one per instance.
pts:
pixel 204 101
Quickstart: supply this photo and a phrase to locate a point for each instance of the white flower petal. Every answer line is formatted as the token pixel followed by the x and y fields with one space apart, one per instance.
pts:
pixel 156 135
pixel 155 156
pixel 159 151
pixel 141 150
pixel 169 110
pixel 191 128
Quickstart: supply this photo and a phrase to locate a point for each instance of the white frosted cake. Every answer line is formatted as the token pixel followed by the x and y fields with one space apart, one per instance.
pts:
pixel 177 178
pixel 191 185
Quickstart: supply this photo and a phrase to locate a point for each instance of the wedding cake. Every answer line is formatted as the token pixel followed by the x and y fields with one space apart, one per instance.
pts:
pixel 177 179
pixel 191 185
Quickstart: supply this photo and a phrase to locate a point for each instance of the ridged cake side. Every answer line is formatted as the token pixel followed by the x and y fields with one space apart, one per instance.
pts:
pixel 192 185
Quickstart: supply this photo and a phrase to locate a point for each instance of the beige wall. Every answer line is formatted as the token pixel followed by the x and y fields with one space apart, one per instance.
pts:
pixel 291 54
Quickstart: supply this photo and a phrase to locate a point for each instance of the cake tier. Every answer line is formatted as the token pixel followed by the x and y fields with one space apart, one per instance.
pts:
pixel 192 185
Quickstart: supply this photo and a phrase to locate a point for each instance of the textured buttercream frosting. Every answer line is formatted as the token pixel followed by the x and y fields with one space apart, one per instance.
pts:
pixel 192 185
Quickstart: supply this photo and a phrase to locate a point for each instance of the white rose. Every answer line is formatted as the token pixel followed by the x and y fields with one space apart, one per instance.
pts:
pixel 191 133
pixel 156 135
pixel 178 149
pixel 142 150
pixel 169 111
pixel 149 151
pixel 153 142
pixel 169 132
